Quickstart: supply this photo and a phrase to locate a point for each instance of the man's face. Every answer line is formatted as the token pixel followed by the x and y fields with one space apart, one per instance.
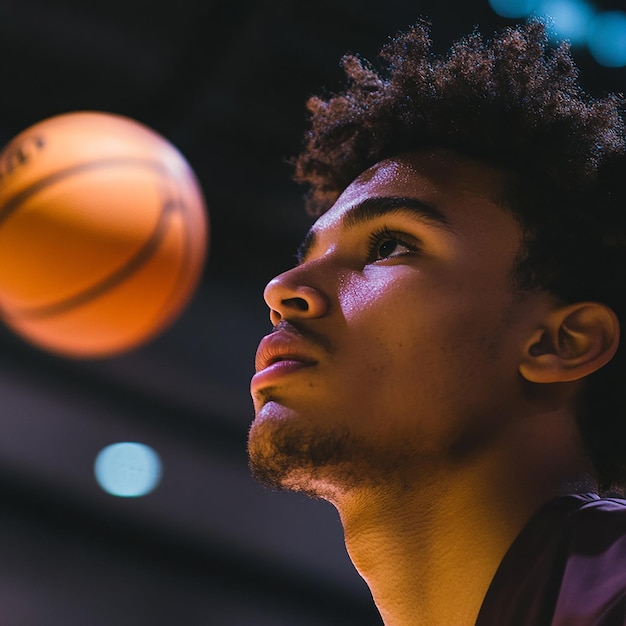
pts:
pixel 398 335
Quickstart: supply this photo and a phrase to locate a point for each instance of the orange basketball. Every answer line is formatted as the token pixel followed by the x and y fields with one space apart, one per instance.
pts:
pixel 103 234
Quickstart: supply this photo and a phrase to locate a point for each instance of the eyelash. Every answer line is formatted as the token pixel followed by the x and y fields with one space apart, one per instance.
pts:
pixel 386 234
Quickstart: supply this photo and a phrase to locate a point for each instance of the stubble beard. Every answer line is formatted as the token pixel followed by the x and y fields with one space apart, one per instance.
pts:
pixel 320 463
pixel 287 458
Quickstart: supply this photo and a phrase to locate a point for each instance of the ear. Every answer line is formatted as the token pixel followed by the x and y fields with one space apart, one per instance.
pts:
pixel 573 341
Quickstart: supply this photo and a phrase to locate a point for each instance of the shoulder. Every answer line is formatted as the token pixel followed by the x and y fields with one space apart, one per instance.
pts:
pixel 566 568
pixel 607 516
pixel 597 529
pixel 593 588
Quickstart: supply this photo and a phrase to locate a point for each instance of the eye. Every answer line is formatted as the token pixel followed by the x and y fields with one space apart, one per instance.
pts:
pixel 386 244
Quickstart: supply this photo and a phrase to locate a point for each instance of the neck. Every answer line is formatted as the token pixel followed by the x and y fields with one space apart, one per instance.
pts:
pixel 429 547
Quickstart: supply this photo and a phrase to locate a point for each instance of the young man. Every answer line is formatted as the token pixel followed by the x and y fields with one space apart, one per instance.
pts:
pixel 444 366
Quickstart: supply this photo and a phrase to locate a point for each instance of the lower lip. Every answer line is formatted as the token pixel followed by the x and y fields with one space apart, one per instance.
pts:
pixel 277 370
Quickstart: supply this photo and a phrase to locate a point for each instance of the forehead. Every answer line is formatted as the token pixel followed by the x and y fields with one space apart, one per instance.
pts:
pixel 467 192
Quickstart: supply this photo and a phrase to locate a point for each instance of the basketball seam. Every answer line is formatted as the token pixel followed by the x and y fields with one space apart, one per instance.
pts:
pixel 141 257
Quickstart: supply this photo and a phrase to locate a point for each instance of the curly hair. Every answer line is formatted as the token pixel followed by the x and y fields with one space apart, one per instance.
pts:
pixel 514 102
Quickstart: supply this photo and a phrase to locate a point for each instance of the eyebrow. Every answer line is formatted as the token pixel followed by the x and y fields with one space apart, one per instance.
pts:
pixel 380 206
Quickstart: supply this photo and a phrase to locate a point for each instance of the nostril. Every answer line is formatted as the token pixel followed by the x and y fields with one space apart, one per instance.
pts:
pixel 297 303
pixel 287 301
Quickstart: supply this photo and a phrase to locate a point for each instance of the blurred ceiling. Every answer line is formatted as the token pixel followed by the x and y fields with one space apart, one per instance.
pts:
pixel 226 83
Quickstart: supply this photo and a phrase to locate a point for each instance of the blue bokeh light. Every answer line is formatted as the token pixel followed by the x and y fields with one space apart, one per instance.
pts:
pixel 607 38
pixel 513 8
pixel 128 469
pixel 566 19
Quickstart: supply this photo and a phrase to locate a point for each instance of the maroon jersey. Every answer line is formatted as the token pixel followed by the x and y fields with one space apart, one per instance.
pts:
pixel 566 568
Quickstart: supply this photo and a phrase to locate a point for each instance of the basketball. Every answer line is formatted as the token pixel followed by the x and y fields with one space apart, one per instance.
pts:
pixel 103 234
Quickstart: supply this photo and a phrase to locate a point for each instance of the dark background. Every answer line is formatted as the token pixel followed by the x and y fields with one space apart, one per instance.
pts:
pixel 226 83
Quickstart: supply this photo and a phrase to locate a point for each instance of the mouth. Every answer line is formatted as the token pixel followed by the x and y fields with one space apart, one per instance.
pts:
pixel 278 355
pixel 281 347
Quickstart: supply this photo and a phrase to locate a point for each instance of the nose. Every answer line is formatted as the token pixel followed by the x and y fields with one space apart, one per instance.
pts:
pixel 288 298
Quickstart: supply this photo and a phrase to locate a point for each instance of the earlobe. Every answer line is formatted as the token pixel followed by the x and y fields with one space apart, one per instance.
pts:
pixel 574 341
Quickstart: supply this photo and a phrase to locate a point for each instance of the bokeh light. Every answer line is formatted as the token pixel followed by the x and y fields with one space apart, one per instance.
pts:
pixel 128 469
pixel 513 8
pixel 577 21
pixel 607 38
pixel 566 19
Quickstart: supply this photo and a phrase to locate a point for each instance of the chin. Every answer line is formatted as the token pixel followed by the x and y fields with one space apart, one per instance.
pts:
pixel 322 463
pixel 281 455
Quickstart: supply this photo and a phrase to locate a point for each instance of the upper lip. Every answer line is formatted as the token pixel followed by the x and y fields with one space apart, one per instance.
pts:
pixel 281 346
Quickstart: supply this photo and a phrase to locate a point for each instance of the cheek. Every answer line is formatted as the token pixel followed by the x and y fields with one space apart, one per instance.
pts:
pixel 416 338
pixel 381 296
pixel 357 296
pixel 393 348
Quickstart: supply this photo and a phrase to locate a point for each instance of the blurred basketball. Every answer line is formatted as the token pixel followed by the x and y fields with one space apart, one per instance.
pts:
pixel 103 234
